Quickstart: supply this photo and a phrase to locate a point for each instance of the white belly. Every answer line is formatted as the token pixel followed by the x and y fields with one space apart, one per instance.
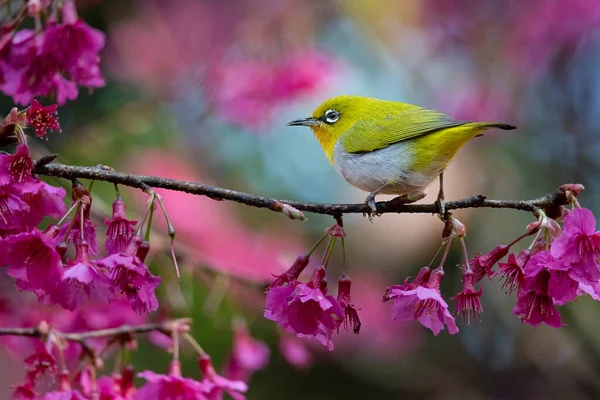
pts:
pixel 388 166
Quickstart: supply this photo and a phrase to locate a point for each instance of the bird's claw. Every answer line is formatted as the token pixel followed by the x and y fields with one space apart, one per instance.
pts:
pixel 370 201
pixel 441 206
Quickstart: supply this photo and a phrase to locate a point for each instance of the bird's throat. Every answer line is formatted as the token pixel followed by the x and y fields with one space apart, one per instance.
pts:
pixel 327 141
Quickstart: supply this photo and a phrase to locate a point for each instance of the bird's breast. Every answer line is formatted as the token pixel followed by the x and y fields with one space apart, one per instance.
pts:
pixel 388 166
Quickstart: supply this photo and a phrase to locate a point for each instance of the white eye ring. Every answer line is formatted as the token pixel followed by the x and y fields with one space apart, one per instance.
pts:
pixel 331 116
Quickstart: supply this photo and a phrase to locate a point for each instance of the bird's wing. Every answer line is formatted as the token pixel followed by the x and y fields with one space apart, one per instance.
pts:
pixel 371 135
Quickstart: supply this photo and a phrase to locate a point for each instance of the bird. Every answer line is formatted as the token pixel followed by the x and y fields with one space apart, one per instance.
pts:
pixel 389 147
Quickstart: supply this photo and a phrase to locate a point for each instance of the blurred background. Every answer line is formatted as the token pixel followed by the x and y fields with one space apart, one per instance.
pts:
pixel 202 89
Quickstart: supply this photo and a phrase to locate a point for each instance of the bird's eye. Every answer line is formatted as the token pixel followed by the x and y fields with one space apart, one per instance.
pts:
pixel 331 116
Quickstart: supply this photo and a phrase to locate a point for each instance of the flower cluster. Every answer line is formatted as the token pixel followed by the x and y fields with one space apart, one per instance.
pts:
pixel 37 259
pixel 560 265
pixel 307 309
pixel 48 361
pixel 52 59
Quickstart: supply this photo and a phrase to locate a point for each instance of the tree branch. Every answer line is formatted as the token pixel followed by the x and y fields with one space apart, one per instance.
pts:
pixel 43 330
pixel 547 202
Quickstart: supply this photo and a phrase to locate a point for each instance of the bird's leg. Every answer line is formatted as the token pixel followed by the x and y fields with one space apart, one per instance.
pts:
pixel 441 204
pixel 370 201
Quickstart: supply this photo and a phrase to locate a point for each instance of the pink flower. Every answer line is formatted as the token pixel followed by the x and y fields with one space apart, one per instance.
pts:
pixel 467 301
pixel 580 244
pixel 214 384
pixel 120 229
pixel 561 287
pixel 13 210
pixel 170 387
pixel 295 352
pixel 77 228
pixel 422 301
pixel 72 40
pixel 534 302
pixel 482 264
pixel 89 232
pixel 308 310
pixel 132 277
pixel 248 354
pixel 82 280
pixel 16 168
pixel 29 72
pixel 350 312
pixel 42 118
pixel 26 391
pixel 34 252
pixel 512 272
pixel 290 276
pixel 39 363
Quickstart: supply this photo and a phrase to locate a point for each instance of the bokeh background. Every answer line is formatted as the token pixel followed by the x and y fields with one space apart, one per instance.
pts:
pixel 201 90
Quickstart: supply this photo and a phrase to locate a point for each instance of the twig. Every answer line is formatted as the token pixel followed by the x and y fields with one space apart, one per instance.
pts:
pixel 165 327
pixel 142 182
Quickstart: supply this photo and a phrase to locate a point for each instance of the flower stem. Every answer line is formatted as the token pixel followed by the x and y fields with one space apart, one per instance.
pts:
pixel 81 212
pixel 466 254
pixel 446 251
pixel 67 213
pixel 437 253
pixel 190 339
pixel 343 257
pixel 149 226
pixel 328 252
pixel 316 245
pixel 175 336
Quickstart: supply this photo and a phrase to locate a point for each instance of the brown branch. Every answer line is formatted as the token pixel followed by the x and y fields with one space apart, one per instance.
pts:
pixel 548 202
pixel 42 330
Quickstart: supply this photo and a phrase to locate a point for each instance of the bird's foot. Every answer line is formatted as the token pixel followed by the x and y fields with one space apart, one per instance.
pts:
pixel 441 207
pixel 370 201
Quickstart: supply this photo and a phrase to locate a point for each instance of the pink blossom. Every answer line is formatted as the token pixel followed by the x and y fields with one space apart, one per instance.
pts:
pixel 512 272
pixel 29 72
pixel 295 352
pixel 467 301
pixel 72 40
pixel 350 311
pixel 42 118
pixel 34 253
pixel 81 230
pixel 16 168
pixel 120 229
pixel 534 302
pixel 132 277
pixel 290 276
pixel 13 210
pixel 579 245
pixel 561 287
pixel 482 264
pixel 308 310
pixel 423 302
pixel 82 280
pixel 170 387
pixel 25 391
pixel 248 354
pixel 214 384
pixel 39 363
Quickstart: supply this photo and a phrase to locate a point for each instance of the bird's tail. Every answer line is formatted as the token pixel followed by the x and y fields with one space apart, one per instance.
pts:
pixel 488 125
pixel 483 126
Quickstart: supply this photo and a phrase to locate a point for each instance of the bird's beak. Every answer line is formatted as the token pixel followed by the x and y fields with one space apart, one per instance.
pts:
pixel 304 122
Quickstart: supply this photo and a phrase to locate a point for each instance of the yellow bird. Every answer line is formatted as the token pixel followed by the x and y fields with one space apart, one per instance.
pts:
pixel 389 147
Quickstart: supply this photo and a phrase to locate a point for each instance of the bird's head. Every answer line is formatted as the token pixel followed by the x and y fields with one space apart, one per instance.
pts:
pixel 333 118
